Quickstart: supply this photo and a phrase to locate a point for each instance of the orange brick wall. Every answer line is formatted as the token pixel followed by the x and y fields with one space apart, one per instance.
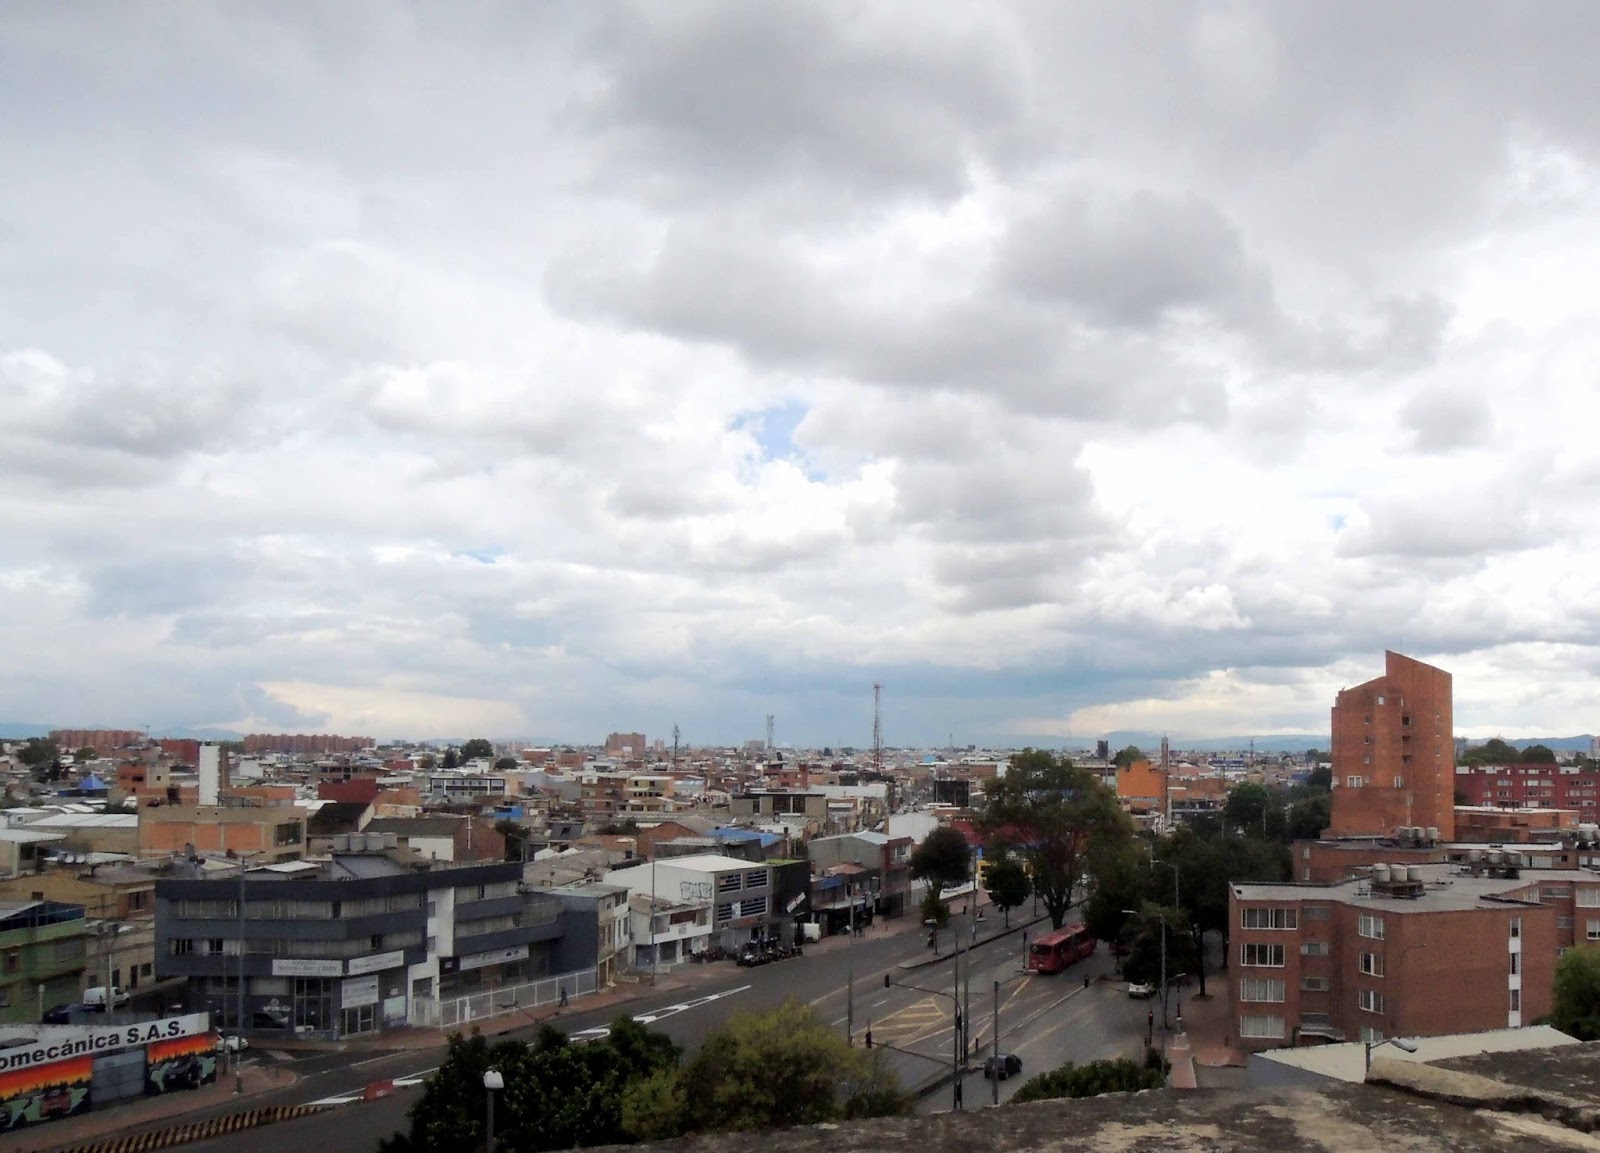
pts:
pixel 1409 768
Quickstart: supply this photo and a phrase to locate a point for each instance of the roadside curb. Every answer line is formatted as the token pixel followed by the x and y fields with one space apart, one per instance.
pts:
pixel 195 1130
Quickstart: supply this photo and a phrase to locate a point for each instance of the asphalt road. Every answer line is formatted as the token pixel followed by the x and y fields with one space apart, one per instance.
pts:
pixel 1042 1019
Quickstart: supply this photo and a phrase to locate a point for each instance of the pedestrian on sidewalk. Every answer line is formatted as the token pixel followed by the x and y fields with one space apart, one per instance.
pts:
pixel 563 995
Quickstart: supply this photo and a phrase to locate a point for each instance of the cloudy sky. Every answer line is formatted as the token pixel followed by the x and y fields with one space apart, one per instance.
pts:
pixel 544 370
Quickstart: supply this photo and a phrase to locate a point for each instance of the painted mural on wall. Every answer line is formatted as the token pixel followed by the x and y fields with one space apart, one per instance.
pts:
pixel 181 1063
pixel 45 1092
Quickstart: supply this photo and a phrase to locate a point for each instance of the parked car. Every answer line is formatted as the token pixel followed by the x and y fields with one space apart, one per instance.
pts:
pixel 98 997
pixel 1141 989
pixel 232 1042
pixel 1003 1066
pixel 60 1015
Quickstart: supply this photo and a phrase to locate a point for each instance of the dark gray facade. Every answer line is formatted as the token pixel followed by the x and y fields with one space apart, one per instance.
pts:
pixel 328 948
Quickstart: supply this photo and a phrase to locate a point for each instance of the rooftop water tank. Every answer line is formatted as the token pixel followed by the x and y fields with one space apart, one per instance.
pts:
pixel 1414 873
pixel 1380 874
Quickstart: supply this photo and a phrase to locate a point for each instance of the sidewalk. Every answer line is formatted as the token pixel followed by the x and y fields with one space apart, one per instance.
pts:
pixel 1205 1038
pixel 136 1114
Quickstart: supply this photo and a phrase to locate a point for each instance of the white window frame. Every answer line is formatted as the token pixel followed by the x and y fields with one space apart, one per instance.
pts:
pixel 1371 964
pixel 1370 926
pixel 1370 1001
pixel 1313 948
pixel 1262 990
pixel 1261 1028
pixel 1259 955
pixel 1267 917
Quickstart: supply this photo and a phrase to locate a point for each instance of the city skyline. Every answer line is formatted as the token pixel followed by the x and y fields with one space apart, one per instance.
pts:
pixel 403 370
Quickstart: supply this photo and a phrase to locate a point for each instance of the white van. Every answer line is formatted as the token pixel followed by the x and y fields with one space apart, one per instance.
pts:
pixel 96 998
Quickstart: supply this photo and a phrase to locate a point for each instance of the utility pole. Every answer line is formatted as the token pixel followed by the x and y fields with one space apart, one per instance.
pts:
pixel 877 729
pixel 958 1050
pixel 994 1039
pixel 850 970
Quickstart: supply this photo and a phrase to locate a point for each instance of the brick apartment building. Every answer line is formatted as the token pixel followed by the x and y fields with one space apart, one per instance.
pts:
pixel 1532 787
pixel 305 743
pixel 1394 753
pixel 1404 951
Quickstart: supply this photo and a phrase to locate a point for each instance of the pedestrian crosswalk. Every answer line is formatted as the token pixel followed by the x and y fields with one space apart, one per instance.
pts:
pixel 905 1027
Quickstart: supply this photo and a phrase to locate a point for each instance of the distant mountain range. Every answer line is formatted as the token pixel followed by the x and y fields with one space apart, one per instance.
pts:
pixel 1300 742
pixel 1148 742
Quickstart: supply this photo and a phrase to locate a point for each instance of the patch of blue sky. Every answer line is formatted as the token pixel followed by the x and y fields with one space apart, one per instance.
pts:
pixel 773 429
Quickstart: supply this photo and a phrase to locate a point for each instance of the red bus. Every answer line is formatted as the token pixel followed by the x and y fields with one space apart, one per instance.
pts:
pixel 1056 950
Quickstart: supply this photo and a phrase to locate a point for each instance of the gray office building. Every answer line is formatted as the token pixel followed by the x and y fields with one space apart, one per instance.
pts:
pixel 348 945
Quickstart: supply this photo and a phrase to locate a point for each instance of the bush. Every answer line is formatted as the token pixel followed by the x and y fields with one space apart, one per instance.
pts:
pixel 1091 1080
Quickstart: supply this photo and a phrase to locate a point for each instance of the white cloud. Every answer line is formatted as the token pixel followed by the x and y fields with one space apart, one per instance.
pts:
pixel 575 369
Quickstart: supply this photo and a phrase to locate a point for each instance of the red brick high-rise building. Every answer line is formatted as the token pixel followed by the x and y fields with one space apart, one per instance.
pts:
pixel 1394 753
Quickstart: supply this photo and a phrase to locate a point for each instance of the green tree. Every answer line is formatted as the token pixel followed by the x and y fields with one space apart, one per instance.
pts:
pixel 1250 809
pixel 1091 1080
pixel 505 763
pixel 934 910
pixel 1055 815
pixel 1494 751
pixel 1320 778
pixel 557 1096
pixel 943 860
pixel 783 1067
pixel 38 752
pixel 1121 874
pixel 452 759
pixel 475 748
pixel 1577 994
pixel 1538 755
pixel 87 753
pixel 1309 817
pixel 516 836
pixel 655 1108
pixel 1127 756
pixel 1205 867
pixel 1008 884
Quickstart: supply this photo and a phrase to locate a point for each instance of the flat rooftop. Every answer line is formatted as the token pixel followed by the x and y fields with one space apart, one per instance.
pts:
pixel 1446 887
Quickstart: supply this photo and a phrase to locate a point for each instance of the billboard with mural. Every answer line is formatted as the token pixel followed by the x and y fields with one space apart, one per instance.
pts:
pixel 45 1092
pixel 181 1063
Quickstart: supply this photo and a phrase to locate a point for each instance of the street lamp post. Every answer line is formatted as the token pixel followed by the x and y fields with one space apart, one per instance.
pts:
pixel 1176 904
pixel 493 1081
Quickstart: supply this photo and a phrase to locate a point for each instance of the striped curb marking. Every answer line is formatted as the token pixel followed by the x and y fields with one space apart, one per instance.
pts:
pixel 195 1130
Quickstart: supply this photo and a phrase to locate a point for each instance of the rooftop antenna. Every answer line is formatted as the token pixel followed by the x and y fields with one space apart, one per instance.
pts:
pixel 877 728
